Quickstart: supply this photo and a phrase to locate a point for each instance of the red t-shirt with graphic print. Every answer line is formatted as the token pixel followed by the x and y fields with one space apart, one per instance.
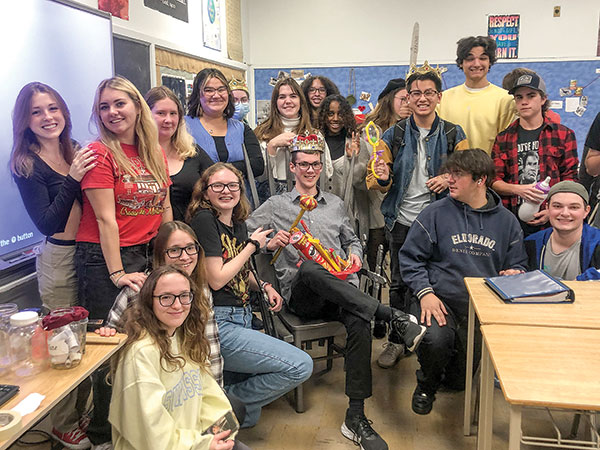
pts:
pixel 139 198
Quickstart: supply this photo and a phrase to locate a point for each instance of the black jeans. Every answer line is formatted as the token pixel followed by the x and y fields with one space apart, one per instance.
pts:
pixel 377 236
pixel 317 294
pixel 97 292
pixel 398 290
pixel 442 353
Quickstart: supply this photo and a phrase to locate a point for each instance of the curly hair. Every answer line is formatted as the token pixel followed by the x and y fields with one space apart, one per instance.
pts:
pixel 345 112
pixel 146 133
pixel 330 87
pixel 465 45
pixel 182 140
pixel 140 321
pixel 200 81
pixel 241 211
pixel 25 142
pixel 273 126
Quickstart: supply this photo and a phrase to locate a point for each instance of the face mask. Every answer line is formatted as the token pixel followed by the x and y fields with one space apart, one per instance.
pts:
pixel 241 110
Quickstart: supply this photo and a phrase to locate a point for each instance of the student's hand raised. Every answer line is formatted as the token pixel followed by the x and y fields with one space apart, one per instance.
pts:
pixel 431 305
pixel 353 147
pixel 218 442
pixel 281 239
pixel 260 235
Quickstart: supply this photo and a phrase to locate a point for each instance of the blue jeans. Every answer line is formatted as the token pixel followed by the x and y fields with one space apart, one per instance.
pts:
pixel 275 366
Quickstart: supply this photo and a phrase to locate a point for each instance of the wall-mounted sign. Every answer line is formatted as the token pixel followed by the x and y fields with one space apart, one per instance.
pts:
pixel 505 31
pixel 211 23
pixel 173 8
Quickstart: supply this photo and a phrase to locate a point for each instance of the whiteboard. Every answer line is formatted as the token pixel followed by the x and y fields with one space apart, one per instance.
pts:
pixel 68 47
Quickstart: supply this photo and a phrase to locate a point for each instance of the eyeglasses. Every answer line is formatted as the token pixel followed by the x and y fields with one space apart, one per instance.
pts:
pixel 312 90
pixel 166 300
pixel 456 173
pixel 429 93
pixel 304 165
pixel 403 98
pixel 176 252
pixel 219 187
pixel 209 91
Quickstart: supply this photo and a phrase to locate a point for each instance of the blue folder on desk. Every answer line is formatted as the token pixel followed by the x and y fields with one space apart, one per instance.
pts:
pixel 531 287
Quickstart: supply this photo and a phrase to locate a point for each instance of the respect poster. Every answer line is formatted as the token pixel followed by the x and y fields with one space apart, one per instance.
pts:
pixel 504 30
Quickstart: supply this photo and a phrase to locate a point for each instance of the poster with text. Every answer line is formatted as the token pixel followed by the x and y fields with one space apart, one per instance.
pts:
pixel 174 8
pixel 504 30
pixel 118 8
pixel 211 23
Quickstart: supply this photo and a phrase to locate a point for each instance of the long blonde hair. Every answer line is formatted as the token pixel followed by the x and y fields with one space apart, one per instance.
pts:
pixel 182 141
pixel 146 133
pixel 273 126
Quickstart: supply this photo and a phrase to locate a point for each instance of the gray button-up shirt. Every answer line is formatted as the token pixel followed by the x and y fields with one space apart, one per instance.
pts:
pixel 328 222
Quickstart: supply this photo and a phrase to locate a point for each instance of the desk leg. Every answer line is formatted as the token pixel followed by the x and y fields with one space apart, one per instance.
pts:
pixel 469 378
pixel 514 436
pixel 486 401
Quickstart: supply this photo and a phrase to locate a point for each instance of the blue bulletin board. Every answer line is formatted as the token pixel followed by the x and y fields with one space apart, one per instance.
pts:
pixel 556 74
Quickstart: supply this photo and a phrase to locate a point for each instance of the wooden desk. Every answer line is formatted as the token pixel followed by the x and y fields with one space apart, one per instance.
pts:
pixel 583 313
pixel 55 385
pixel 537 366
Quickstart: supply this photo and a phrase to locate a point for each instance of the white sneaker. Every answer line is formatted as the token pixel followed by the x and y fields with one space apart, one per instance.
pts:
pixel 390 355
pixel 103 446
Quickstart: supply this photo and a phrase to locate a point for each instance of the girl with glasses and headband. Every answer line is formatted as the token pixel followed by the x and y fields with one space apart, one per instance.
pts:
pixel 167 347
pixel 315 90
pixel 217 213
pixel 210 120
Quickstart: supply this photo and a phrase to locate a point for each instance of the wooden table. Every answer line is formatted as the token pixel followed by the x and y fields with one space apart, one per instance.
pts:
pixel 55 384
pixel 537 366
pixel 583 313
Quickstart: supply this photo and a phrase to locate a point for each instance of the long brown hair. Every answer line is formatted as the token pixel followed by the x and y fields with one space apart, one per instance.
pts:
pixel 200 80
pixel 273 126
pixel 182 140
pixel 146 133
pixel 25 142
pixel 140 321
pixel 241 211
pixel 384 115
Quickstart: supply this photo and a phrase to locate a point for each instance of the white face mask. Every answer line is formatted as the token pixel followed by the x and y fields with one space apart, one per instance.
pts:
pixel 241 110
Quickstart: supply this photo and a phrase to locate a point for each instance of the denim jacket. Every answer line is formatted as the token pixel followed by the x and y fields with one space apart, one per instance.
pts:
pixel 438 149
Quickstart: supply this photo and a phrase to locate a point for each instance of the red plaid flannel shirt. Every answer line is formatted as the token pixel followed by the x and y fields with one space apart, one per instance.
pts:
pixel 558 156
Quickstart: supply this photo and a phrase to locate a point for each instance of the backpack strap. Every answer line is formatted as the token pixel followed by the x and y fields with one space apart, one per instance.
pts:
pixel 398 137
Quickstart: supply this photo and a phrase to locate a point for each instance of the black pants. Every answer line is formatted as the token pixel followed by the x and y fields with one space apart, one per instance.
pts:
pixel 97 292
pixel 377 236
pixel 398 290
pixel 317 294
pixel 442 353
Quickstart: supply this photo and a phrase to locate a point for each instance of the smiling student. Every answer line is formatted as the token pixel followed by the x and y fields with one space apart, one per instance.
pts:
pixel 316 89
pixel 481 108
pixel 532 145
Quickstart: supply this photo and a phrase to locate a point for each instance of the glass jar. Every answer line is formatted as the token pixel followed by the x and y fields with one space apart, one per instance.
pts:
pixel 28 344
pixel 6 310
pixel 66 344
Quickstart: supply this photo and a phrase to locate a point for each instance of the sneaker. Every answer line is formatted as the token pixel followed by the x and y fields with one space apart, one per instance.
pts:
pixel 390 355
pixel 75 439
pixel 358 429
pixel 422 402
pixel 103 446
pixel 407 329
pixel 84 422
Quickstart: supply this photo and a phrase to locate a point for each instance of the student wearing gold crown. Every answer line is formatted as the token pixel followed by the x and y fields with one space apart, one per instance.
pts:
pixel 241 99
pixel 313 292
pixel 415 148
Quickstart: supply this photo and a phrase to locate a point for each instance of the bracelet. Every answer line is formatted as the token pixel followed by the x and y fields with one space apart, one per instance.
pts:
pixel 255 243
pixel 116 272
pixel 264 284
pixel 116 282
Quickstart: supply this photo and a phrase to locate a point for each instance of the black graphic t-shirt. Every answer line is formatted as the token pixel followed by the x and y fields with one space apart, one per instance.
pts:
pixel 218 239
pixel 528 144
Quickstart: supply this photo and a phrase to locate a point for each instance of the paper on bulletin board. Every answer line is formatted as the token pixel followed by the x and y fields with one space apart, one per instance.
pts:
pixel 571 104
pixel 556 104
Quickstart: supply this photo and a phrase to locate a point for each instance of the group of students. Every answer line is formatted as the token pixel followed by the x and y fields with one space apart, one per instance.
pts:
pixel 150 229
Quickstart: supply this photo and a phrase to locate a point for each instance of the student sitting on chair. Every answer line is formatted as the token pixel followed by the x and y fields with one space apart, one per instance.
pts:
pixel 313 292
pixel 467 234
pixel 570 249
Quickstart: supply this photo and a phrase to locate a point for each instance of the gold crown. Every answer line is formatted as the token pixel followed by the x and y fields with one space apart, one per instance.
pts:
pixel 425 68
pixel 238 85
pixel 307 142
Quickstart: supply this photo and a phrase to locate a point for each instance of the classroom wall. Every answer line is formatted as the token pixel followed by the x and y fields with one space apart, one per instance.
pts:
pixel 152 26
pixel 352 32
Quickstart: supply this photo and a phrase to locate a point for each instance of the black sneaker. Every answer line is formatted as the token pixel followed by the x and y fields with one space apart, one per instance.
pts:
pixel 422 402
pixel 406 329
pixel 358 429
